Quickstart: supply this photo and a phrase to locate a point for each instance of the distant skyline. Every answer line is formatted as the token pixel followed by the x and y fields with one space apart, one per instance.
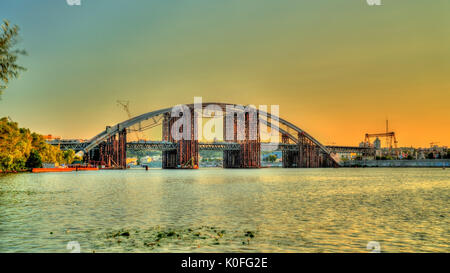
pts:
pixel 338 69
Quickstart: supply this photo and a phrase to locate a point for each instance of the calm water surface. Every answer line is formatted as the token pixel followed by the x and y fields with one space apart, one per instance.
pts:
pixel 216 210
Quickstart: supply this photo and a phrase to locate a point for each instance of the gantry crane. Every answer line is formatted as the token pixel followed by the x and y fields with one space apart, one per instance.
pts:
pixel 390 137
pixel 433 143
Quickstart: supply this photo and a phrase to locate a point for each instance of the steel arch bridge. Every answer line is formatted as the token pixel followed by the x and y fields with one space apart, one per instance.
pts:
pixel 299 148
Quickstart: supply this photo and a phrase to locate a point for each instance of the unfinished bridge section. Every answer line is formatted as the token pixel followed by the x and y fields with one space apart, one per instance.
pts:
pixel 243 150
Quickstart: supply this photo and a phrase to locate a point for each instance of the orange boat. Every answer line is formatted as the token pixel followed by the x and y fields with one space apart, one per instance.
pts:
pixel 51 170
pixel 85 169
pixel 70 169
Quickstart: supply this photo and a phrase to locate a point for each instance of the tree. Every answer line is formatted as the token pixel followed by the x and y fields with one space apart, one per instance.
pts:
pixel 270 158
pixel 77 158
pixel 9 69
pixel 68 156
pixel 34 160
pixel 49 153
pixel 17 145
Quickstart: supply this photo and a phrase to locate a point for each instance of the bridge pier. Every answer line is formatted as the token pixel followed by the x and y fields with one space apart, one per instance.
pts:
pixel 308 155
pixel 249 155
pixel 111 153
pixel 122 150
pixel 186 154
pixel 291 159
pixel 169 159
pixel 231 159
pixel 309 152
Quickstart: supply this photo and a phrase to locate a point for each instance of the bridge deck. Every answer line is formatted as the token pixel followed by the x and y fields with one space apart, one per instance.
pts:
pixel 213 146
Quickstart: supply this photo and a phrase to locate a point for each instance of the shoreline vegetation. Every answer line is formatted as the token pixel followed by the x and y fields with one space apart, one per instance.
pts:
pixel 22 150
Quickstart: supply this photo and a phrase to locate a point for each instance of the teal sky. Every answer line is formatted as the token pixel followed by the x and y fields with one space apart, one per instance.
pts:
pixel 336 68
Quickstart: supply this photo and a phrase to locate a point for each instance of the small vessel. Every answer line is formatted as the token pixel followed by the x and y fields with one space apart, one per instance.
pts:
pixel 70 168
pixel 51 170
pixel 86 169
pixel 83 167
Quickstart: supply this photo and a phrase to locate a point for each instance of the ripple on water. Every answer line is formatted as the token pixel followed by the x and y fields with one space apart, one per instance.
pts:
pixel 268 210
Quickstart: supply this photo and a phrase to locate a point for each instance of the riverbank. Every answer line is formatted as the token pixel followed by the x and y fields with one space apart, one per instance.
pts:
pixel 422 163
pixel 21 171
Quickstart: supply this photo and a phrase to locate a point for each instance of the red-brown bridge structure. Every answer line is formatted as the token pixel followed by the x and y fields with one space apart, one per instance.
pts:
pixel 243 150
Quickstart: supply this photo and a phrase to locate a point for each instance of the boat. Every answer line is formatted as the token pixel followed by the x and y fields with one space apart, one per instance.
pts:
pixel 51 170
pixel 70 168
pixel 86 169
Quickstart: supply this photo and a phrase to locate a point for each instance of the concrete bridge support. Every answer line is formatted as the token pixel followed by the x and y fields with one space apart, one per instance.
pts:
pixel 291 159
pixel 309 152
pixel 122 151
pixel 111 153
pixel 249 155
pixel 308 155
pixel 186 154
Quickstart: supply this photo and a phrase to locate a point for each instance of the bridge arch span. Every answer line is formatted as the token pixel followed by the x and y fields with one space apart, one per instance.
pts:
pixel 289 134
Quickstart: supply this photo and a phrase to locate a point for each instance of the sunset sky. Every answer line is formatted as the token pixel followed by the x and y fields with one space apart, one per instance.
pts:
pixel 337 69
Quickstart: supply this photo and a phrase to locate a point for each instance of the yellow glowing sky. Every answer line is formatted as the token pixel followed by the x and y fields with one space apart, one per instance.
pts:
pixel 337 69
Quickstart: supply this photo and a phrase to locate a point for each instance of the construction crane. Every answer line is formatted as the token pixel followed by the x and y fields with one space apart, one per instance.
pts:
pixel 126 107
pixel 390 137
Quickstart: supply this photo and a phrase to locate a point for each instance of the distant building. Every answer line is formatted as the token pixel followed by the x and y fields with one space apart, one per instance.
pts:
pixel 51 137
pixel 145 159
pixel 50 165
pixel 131 161
pixel 377 143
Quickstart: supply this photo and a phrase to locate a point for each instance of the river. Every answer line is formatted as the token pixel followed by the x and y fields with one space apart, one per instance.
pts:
pixel 232 210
